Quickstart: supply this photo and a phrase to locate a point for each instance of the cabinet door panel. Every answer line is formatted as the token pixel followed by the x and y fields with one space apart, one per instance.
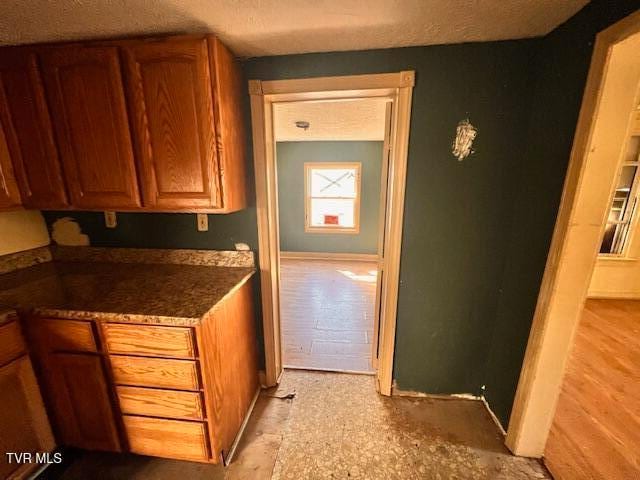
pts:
pixel 81 402
pixel 89 115
pixel 9 194
pixel 25 118
pixel 169 87
pixel 23 420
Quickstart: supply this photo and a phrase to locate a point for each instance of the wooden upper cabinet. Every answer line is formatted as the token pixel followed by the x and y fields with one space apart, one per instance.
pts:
pixel 93 126
pixel 9 194
pixel 86 96
pixel 229 93
pixel 169 88
pixel 24 115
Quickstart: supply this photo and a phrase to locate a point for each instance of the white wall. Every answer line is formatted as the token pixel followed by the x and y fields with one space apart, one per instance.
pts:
pixel 22 230
pixel 618 278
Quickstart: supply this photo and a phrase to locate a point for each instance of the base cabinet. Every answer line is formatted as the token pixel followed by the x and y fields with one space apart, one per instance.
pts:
pixel 80 396
pixel 179 392
pixel 24 426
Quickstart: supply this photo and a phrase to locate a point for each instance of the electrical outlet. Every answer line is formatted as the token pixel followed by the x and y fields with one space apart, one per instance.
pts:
pixel 110 219
pixel 203 222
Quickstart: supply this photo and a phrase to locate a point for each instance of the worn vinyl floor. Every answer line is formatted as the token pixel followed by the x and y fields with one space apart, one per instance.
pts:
pixel 334 427
pixel 327 314
pixel 595 434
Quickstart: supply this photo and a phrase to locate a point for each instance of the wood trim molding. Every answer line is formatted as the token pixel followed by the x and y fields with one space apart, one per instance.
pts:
pixel 401 118
pixel 346 257
pixel 398 88
pixel 342 83
pixel 268 241
pixel 572 256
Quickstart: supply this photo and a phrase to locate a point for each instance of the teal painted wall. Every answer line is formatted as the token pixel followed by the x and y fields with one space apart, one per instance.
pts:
pixel 457 214
pixel 165 230
pixel 562 64
pixel 291 157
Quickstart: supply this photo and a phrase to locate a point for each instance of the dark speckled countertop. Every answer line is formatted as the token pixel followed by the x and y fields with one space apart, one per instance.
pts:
pixel 125 292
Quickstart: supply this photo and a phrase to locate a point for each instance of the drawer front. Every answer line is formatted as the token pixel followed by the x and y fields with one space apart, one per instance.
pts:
pixel 167 438
pixel 68 335
pixel 160 403
pixel 11 342
pixel 155 372
pixel 149 340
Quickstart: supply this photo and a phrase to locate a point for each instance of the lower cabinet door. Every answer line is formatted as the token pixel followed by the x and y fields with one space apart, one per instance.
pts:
pixel 24 426
pixel 167 438
pixel 83 410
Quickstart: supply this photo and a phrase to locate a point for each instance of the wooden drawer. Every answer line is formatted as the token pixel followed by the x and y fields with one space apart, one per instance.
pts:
pixel 160 403
pixel 155 372
pixel 67 335
pixel 149 340
pixel 167 438
pixel 11 342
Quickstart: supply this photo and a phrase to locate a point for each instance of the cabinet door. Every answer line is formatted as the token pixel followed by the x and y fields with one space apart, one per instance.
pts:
pixel 23 420
pixel 25 117
pixel 81 402
pixel 84 86
pixel 9 194
pixel 169 88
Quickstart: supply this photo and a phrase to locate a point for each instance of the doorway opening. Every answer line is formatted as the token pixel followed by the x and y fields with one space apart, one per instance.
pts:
pixel 331 169
pixel 592 247
pixel 332 203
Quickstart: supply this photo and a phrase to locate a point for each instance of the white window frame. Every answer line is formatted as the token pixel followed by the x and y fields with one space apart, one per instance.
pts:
pixel 629 216
pixel 308 168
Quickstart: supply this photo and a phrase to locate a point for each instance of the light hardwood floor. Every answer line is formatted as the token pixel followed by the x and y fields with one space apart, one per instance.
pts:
pixel 327 314
pixel 596 429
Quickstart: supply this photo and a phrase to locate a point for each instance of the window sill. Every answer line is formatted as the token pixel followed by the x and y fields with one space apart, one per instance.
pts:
pixel 612 258
pixel 331 230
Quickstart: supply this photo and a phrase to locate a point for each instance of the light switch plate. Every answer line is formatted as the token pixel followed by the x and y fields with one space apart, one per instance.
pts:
pixel 203 222
pixel 110 219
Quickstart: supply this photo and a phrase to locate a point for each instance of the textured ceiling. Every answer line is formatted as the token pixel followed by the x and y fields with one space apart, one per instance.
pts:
pixel 272 27
pixel 338 120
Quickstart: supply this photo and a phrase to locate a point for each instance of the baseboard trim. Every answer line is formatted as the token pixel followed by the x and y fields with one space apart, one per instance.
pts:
pixel 351 257
pixel 615 295
pixel 397 392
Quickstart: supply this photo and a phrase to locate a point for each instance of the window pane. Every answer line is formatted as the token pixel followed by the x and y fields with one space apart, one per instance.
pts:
pixel 327 212
pixel 614 238
pixel 333 182
pixel 621 195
